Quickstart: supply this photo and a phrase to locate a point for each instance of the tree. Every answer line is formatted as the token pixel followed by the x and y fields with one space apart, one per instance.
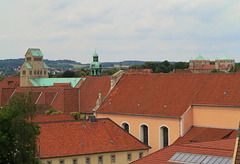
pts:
pixel 68 73
pixel 18 134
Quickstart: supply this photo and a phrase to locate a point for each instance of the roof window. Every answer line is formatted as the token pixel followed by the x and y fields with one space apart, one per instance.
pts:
pixel 111 141
pixel 81 143
pixel 83 126
pixel 225 93
pixel 165 106
pixel 139 105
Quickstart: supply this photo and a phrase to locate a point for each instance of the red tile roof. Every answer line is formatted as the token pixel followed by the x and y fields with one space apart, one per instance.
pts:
pixel 138 71
pixel 220 89
pixel 62 97
pixel 90 89
pixel 69 138
pixel 203 134
pixel 222 148
pixel 50 118
pixel 178 71
pixel 171 94
pixel 154 94
pixel 208 67
pixel 10 82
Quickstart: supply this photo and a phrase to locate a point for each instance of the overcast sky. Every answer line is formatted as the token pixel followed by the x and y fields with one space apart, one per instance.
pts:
pixel 148 30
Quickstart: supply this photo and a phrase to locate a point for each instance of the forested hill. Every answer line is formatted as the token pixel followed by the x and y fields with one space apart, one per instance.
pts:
pixel 11 66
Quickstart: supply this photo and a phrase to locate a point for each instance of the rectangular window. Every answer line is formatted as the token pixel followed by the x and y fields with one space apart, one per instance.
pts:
pixel 113 158
pixel 88 161
pixel 75 161
pixel 129 156
pixel 24 72
pixel 140 154
pixel 28 59
pixel 100 159
pixel 49 162
pixel 61 161
pixel 45 72
pixel 30 72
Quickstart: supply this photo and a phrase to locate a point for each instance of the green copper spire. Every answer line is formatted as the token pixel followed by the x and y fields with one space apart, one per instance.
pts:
pixel 95 66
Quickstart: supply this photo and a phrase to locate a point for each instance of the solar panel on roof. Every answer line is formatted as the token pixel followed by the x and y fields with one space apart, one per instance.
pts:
pixel 190 158
pixel 224 161
pixel 185 157
pixel 212 160
pixel 195 158
pixel 199 158
pixel 174 156
pixel 218 160
pixel 207 159
pixel 179 157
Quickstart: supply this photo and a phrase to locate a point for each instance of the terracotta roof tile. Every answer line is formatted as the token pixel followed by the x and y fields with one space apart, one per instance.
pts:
pixel 50 118
pixel 178 71
pixel 208 67
pixel 222 148
pixel 10 82
pixel 138 71
pixel 154 94
pixel 171 94
pixel 69 138
pixel 203 134
pixel 90 89
pixel 220 89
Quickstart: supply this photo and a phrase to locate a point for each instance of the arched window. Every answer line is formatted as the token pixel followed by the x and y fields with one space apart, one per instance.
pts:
pixel 125 126
pixel 144 134
pixel 164 137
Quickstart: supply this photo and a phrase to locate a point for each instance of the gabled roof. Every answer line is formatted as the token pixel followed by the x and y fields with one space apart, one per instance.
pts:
pixel 51 81
pixel 222 148
pixel 170 94
pixel 153 94
pixel 70 138
pixel 35 51
pixel 10 82
pixel 203 134
pixel 90 89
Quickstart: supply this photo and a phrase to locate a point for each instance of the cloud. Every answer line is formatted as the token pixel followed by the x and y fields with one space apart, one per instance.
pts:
pixel 120 29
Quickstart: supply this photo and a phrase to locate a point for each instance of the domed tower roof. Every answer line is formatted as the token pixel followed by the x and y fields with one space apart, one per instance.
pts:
pixel 95 66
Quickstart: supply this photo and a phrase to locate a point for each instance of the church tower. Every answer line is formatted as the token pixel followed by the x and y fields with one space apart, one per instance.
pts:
pixel 95 66
pixel 33 67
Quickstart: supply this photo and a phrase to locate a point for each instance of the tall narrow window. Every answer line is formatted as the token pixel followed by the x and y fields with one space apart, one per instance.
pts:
pixel 100 159
pixel 125 126
pixel 88 161
pixel 164 137
pixel 144 134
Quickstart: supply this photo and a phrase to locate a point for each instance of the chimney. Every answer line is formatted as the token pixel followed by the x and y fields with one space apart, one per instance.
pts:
pixel 92 119
pixel 99 100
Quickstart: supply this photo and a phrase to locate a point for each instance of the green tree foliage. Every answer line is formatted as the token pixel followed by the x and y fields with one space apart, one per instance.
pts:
pixel 68 73
pixel 109 71
pixel 82 72
pixel 164 66
pixel 1 78
pixel 51 111
pixel 18 134
pixel 234 69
